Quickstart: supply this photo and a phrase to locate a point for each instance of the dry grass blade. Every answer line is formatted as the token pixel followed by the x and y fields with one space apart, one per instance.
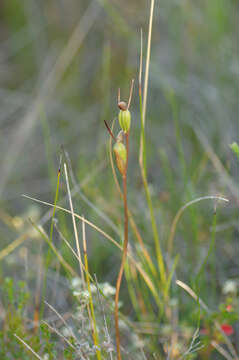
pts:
pixel 146 78
pixel 70 247
pixel 144 275
pixel 221 350
pixel 77 216
pixel 77 186
pixel 192 294
pixel 74 223
pixel 59 334
pixel 28 347
pixel 142 152
pixel 14 244
pixel 61 318
pixel 25 236
pixel 130 94
pixel 141 60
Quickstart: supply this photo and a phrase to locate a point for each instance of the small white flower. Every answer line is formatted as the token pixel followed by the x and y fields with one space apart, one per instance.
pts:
pixel 77 293
pixel 138 343
pixel 85 295
pixel 230 286
pixel 107 289
pixel 45 357
pixel 76 282
pixel 67 332
pixel 94 347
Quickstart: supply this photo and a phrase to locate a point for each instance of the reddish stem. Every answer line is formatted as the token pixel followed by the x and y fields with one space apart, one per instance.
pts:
pixel 124 255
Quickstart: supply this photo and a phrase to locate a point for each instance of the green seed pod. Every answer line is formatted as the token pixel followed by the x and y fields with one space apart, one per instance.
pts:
pixel 121 156
pixel 125 120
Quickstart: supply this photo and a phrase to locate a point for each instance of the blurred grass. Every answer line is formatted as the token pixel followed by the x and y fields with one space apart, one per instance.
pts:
pixel 193 101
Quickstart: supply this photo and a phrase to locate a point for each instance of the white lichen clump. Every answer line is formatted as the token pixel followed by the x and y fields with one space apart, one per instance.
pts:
pixel 79 291
pixel 230 287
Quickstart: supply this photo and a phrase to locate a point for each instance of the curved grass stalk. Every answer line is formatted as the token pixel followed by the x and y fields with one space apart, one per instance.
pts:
pixel 181 211
pixel 144 275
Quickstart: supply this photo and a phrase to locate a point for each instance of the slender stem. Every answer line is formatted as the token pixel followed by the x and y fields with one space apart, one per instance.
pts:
pixel 142 151
pixel 91 307
pixel 48 257
pixel 131 218
pixel 124 255
pixel 143 168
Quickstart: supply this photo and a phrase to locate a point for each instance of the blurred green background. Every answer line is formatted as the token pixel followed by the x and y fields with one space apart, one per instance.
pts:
pixel 54 94
pixel 61 63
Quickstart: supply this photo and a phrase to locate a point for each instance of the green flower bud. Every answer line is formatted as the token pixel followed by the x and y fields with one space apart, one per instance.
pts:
pixel 235 148
pixel 125 120
pixel 121 156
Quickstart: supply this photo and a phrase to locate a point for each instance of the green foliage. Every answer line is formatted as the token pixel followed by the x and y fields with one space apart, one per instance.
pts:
pixel 15 300
pixel 192 109
pixel 235 148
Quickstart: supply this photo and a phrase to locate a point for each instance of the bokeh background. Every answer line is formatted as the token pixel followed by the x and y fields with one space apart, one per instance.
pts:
pixel 61 63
